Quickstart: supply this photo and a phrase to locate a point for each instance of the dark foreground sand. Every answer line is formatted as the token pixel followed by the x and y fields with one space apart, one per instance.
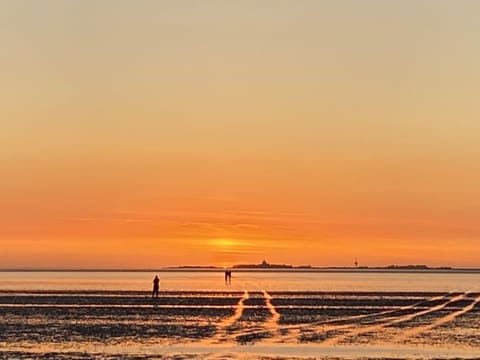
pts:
pixel 249 325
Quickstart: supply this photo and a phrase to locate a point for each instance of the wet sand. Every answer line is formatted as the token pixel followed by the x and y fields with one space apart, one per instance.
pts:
pixel 241 325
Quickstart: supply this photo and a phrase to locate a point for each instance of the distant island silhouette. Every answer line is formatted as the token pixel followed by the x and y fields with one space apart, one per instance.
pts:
pixel 262 265
pixel 265 265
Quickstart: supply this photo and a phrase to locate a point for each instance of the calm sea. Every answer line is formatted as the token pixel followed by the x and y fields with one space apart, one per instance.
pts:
pixel 251 281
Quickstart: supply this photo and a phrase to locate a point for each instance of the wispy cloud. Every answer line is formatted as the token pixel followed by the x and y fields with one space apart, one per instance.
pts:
pixel 100 219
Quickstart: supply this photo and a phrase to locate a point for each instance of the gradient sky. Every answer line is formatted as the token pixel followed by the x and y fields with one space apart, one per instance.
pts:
pixel 155 133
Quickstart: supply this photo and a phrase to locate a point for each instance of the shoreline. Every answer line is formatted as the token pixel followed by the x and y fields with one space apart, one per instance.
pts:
pixel 255 270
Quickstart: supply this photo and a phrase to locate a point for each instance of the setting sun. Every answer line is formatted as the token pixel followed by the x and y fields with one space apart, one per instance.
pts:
pixel 224 245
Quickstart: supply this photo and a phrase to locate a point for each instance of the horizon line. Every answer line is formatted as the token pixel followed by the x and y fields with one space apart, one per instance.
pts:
pixel 206 268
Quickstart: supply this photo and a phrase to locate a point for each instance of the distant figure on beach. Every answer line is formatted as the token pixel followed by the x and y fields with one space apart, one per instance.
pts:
pixel 228 276
pixel 156 286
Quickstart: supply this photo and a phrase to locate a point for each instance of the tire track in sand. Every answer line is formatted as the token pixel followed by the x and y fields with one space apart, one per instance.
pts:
pixel 293 333
pixel 272 323
pixel 346 319
pixel 224 327
pixel 238 312
pixel 345 322
pixel 261 330
pixel 439 322
pixel 289 333
pixel 397 320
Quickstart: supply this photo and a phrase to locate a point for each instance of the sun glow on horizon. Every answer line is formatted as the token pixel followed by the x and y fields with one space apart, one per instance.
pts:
pixel 224 244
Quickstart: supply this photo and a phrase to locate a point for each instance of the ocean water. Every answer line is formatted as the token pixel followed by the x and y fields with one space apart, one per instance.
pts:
pixel 175 280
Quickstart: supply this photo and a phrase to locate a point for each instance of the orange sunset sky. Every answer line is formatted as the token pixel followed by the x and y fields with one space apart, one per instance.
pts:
pixel 141 134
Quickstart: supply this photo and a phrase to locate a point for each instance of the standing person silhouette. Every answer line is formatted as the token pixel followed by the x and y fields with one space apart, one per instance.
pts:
pixel 156 286
pixel 228 276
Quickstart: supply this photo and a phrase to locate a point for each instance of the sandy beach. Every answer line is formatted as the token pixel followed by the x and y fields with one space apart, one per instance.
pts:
pixel 243 325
